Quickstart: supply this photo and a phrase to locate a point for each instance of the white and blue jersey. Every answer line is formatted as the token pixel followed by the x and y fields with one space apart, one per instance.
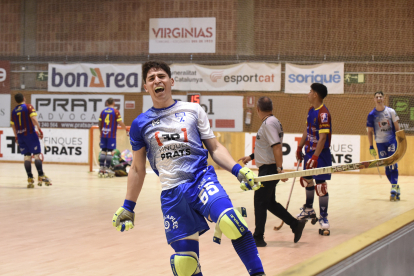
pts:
pixel 383 124
pixel 172 138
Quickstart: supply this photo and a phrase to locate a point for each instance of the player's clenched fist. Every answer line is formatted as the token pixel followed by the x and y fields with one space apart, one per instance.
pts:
pixel 124 217
pixel 312 163
pixel 299 154
pixel 246 178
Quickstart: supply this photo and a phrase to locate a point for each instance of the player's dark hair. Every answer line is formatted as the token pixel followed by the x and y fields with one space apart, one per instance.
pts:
pixel 110 101
pixel 379 92
pixel 265 104
pixel 320 89
pixel 152 64
pixel 19 98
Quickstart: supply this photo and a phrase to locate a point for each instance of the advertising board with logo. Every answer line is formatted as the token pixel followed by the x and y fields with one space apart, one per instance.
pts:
pixel 404 107
pixel 238 77
pixel 58 145
pixel 4 76
pixel 89 77
pixel 345 149
pixel 298 78
pixel 72 111
pixel 182 35
pixel 225 113
pixel 5 101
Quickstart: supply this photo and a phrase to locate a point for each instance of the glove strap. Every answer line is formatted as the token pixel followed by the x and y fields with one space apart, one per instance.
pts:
pixel 236 169
pixel 129 205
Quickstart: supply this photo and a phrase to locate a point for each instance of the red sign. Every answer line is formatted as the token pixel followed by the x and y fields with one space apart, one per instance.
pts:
pixel 250 101
pixel 4 76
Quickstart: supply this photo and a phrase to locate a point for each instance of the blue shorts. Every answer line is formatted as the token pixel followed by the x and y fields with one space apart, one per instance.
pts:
pixel 186 207
pixel 324 160
pixel 108 143
pixel 387 149
pixel 29 144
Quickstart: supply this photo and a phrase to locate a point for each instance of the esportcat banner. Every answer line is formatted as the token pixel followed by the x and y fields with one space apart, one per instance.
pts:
pixel 72 111
pixel 298 78
pixel 345 149
pixel 237 77
pixel 90 77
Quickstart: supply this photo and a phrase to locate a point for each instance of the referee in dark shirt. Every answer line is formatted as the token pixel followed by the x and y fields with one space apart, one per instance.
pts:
pixel 269 159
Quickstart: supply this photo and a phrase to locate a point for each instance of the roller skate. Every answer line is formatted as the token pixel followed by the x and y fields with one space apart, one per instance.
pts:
pixel 44 179
pixel 30 182
pixel 109 173
pixel 101 172
pixel 324 223
pixel 307 213
pixel 394 192
pixel 398 192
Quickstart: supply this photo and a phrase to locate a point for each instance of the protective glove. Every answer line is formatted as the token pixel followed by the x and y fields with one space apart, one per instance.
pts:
pixel 312 163
pixel 372 151
pixel 299 154
pixel 246 178
pixel 124 217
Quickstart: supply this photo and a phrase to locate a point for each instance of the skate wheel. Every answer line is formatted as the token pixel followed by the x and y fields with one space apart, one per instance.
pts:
pixel 48 184
pixel 39 184
pixel 324 232
pixel 30 186
pixel 314 221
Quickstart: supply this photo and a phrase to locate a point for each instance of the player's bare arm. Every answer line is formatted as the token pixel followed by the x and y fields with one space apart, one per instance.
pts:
pixel 36 124
pixel 299 153
pixel 136 175
pixel 100 128
pixel 15 134
pixel 219 154
pixel 370 131
pixel 321 143
pixel 397 126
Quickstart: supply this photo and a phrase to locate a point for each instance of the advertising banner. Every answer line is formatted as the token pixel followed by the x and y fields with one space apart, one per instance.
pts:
pixel 237 77
pixel 4 77
pixel 404 107
pixel 225 113
pixel 72 111
pixel 58 145
pixel 345 149
pixel 89 77
pixel 298 78
pixel 182 35
pixel 5 102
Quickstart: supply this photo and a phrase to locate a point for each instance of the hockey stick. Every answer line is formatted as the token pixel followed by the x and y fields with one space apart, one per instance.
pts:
pixel 398 154
pixel 287 204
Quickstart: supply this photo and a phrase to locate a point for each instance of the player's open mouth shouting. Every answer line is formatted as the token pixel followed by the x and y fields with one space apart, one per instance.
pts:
pixel 159 89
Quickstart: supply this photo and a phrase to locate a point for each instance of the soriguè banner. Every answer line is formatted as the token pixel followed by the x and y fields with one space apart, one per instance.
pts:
pixel 89 77
pixel 298 78
pixel 238 77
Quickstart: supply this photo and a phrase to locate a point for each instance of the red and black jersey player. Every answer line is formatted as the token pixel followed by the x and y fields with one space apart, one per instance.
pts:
pixel 317 139
pixel 23 122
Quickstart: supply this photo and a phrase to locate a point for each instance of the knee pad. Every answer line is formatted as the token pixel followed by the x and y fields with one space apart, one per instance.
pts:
pixel 36 156
pixel 231 223
pixel 304 182
pixel 183 264
pixel 321 189
pixel 185 260
pixel 28 158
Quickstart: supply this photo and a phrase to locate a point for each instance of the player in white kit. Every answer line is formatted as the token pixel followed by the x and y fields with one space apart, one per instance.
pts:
pixel 383 122
pixel 171 134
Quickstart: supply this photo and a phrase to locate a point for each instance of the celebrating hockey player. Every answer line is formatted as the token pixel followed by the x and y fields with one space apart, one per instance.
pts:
pixel 172 134
pixel 383 122
pixel 317 139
